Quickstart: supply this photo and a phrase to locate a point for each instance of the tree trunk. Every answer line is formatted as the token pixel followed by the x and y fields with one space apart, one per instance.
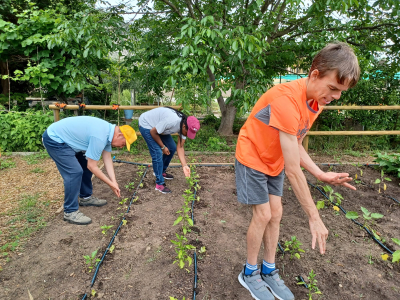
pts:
pixel 4 82
pixel 227 118
pixel 228 111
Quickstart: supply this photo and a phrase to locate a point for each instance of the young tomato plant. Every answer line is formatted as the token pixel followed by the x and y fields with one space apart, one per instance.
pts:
pixel 91 260
pixel 293 247
pixel 312 286
pixel 182 249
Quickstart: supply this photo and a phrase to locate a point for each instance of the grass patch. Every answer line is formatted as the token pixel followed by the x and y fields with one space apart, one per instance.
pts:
pixel 6 163
pixel 36 158
pixel 37 170
pixel 24 220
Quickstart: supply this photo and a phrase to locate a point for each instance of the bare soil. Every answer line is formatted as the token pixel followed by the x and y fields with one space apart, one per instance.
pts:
pixel 141 266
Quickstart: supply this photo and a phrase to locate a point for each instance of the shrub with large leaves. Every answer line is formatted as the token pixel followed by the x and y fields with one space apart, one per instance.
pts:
pixel 22 131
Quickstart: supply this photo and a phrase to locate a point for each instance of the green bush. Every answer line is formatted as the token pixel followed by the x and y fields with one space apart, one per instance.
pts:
pixel 22 131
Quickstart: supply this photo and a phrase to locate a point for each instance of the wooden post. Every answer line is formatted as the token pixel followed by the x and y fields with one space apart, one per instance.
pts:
pixel 305 143
pixel 56 114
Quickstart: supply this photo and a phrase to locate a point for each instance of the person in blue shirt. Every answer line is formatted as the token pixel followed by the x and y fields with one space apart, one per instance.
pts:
pixel 76 145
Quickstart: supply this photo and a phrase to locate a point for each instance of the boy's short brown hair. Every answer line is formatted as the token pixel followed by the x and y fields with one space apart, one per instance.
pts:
pixel 337 57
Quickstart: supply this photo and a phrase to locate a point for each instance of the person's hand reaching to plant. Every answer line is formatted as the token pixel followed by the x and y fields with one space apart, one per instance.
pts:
pixel 336 179
pixel 165 151
pixel 186 170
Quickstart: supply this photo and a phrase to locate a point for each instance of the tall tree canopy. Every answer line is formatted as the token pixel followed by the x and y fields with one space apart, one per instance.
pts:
pixel 64 46
pixel 243 45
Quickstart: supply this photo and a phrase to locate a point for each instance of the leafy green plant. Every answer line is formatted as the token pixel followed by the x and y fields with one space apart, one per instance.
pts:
pixel 390 163
pixel 6 163
pixel 217 144
pixel 334 198
pixel 91 260
pixel 312 285
pixel 106 228
pixel 36 158
pixel 173 298
pixel 396 254
pixel 182 249
pixel 293 247
pixel 22 131
pixel 130 186
pixel 368 217
pixel 123 201
pixel 140 172
pixel 381 180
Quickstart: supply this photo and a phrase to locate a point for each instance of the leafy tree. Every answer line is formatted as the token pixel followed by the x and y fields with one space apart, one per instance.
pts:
pixel 65 50
pixel 243 45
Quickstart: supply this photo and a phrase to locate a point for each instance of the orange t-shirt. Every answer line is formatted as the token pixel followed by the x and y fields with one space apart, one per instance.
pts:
pixel 283 107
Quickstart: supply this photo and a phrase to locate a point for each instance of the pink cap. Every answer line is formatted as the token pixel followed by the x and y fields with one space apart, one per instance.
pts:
pixel 193 127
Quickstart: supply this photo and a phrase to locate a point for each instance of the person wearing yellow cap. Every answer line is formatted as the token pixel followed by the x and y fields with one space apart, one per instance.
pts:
pixel 76 145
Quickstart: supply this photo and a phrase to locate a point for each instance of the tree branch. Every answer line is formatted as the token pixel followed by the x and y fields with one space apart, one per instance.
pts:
pixel 263 10
pixel 173 7
pixel 190 7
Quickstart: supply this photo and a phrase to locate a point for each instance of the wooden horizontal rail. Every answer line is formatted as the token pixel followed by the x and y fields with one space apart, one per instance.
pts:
pixel 391 132
pixel 362 107
pixel 56 109
pixel 109 107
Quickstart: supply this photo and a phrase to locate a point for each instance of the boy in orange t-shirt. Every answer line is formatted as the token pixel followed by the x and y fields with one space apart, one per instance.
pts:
pixel 270 145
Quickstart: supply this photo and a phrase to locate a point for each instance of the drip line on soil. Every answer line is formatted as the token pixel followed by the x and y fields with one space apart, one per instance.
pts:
pixel 354 221
pixel 115 234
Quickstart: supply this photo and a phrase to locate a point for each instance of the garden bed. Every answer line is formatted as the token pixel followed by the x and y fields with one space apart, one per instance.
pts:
pixel 140 267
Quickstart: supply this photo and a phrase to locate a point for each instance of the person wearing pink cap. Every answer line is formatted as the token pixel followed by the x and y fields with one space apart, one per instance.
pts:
pixel 156 127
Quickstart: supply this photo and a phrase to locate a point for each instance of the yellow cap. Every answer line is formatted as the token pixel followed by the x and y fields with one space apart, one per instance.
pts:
pixel 129 134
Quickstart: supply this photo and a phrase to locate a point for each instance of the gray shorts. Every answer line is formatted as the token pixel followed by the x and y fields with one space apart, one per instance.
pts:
pixel 253 187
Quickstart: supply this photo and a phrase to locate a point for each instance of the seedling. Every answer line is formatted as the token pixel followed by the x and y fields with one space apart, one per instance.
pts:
pixel 182 250
pixel 334 198
pixel 130 186
pixel 367 215
pixel 106 228
pixel 368 219
pixel 123 201
pixel 381 180
pixel 91 260
pixel 396 254
pixel 356 180
pixel 172 298
pixel 93 293
pixel 312 286
pixel 293 247
pixel 141 170
pixel 112 248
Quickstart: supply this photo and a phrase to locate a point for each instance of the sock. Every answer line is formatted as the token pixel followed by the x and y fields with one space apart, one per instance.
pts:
pixel 267 268
pixel 86 197
pixel 249 269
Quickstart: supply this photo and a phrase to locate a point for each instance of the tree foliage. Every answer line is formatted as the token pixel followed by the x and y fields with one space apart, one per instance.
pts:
pixel 65 51
pixel 243 45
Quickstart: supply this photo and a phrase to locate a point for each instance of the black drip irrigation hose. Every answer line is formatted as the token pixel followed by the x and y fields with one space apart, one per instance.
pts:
pixel 115 234
pixel 354 221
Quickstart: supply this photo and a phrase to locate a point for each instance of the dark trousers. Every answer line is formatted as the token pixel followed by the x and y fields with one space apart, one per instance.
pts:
pixel 160 161
pixel 73 169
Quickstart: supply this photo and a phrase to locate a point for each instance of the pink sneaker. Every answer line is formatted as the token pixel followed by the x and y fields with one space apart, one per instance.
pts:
pixel 162 188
